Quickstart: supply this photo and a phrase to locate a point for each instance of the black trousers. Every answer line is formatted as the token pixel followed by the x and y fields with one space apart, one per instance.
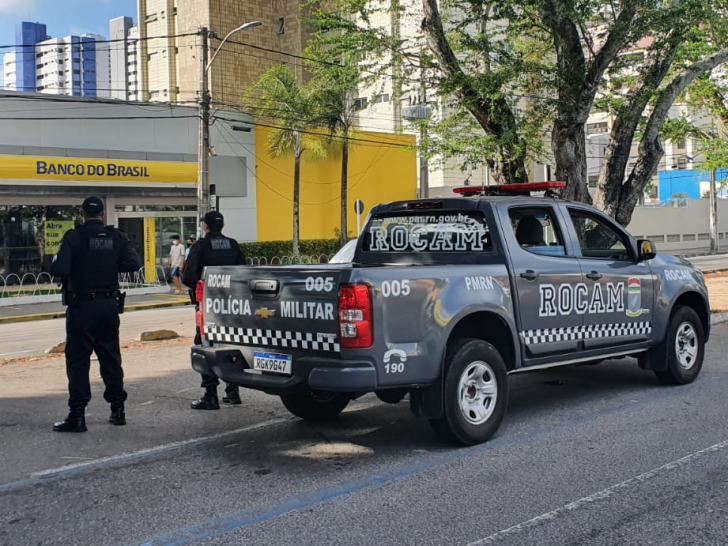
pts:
pixel 210 381
pixel 93 326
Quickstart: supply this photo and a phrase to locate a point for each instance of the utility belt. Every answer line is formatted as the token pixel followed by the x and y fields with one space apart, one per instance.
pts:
pixel 73 298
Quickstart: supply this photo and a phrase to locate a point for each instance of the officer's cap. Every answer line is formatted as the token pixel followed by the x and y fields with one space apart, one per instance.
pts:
pixel 93 206
pixel 214 220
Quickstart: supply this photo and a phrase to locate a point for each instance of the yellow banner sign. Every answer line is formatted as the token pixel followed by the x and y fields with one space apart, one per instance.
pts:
pixel 150 250
pixel 71 169
pixel 54 231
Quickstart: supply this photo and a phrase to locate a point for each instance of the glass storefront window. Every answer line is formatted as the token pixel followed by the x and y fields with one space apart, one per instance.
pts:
pixel 23 236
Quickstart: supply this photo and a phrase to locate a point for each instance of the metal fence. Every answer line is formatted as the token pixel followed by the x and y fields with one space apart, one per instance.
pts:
pixel 296 259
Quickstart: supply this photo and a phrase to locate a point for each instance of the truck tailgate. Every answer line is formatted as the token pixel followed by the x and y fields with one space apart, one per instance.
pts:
pixel 292 308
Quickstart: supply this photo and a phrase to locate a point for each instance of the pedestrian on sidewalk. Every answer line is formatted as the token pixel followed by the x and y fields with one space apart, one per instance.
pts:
pixel 176 263
pixel 213 249
pixel 88 263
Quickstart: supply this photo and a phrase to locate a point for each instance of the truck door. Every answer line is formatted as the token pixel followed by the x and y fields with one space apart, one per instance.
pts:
pixel 621 289
pixel 547 280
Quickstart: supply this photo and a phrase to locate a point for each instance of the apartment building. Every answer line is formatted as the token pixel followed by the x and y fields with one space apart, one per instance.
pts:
pixel 124 50
pixel 171 64
pixel 74 65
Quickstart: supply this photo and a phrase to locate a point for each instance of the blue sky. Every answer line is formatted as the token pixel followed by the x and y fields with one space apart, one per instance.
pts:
pixel 62 17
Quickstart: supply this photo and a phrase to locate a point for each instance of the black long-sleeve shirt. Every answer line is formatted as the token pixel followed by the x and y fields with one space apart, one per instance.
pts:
pixel 213 249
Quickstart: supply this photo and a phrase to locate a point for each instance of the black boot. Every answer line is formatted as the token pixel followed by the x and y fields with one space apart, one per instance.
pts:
pixel 232 396
pixel 208 401
pixel 74 422
pixel 117 417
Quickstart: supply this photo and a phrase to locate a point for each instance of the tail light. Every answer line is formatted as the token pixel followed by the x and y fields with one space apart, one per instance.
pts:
pixel 200 313
pixel 355 316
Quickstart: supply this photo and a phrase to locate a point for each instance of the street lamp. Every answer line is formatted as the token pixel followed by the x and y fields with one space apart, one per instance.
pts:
pixel 203 161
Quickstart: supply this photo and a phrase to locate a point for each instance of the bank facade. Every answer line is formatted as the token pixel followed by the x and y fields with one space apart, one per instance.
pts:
pixel 140 158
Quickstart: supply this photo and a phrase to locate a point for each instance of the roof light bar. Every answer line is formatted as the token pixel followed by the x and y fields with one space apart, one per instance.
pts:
pixel 505 189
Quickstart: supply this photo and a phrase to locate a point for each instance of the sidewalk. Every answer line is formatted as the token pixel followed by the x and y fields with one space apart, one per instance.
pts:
pixel 43 311
pixel 709 264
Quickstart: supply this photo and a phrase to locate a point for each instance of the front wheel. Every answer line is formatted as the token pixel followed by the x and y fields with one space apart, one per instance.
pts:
pixel 685 347
pixel 316 406
pixel 475 393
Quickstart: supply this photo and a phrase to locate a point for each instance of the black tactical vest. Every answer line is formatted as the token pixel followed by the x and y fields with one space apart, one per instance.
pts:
pixel 216 249
pixel 96 251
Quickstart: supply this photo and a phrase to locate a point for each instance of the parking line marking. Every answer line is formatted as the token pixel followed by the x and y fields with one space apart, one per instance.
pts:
pixel 112 460
pixel 599 495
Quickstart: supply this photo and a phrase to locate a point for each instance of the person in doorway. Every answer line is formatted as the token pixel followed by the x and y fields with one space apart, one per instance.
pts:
pixel 190 242
pixel 213 249
pixel 176 263
pixel 88 263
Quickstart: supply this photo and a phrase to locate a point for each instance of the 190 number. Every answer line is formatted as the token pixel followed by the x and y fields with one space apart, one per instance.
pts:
pixel 396 288
pixel 319 284
pixel 397 367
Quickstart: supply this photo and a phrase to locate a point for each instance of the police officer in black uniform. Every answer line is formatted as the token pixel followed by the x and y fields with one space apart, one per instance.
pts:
pixel 88 263
pixel 213 249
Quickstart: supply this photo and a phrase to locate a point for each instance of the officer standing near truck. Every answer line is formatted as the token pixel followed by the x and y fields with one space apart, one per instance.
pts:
pixel 88 263
pixel 213 249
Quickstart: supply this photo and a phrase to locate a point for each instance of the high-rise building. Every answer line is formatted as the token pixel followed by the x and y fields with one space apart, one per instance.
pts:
pixel 171 63
pixel 74 65
pixel 124 59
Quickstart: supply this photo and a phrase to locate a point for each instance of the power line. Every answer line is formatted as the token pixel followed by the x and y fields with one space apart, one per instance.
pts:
pixel 81 44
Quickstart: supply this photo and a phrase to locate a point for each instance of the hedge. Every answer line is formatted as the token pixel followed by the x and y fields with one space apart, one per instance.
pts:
pixel 270 249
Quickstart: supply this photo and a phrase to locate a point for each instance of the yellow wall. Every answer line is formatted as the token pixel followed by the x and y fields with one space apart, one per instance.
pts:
pixel 379 172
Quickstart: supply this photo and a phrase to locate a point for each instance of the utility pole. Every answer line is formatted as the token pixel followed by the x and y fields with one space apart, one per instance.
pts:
pixel 713 215
pixel 424 167
pixel 203 160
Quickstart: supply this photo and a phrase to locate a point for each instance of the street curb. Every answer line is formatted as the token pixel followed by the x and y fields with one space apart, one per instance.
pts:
pixel 59 314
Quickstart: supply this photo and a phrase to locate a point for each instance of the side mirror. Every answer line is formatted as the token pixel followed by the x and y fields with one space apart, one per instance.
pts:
pixel 645 250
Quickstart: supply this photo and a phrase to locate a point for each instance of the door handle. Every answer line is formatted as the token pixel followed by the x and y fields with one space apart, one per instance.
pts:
pixel 529 275
pixel 594 275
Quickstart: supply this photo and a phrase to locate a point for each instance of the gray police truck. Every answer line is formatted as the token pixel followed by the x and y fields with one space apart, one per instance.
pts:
pixel 444 299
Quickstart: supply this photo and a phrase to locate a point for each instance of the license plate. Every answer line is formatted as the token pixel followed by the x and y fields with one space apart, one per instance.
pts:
pixel 272 362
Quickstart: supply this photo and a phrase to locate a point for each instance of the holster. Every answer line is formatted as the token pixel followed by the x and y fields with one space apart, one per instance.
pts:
pixel 120 299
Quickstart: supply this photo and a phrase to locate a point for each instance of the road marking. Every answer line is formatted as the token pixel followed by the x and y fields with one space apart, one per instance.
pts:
pixel 22 352
pixel 113 460
pixel 599 495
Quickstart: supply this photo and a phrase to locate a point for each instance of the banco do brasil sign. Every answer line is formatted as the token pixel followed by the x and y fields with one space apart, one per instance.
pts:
pixel 71 169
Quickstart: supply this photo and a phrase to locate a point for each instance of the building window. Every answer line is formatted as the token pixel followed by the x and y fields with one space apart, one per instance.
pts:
pixel 680 145
pixel 360 103
pixel 382 98
pixel 682 163
pixel 281 25
pixel 151 18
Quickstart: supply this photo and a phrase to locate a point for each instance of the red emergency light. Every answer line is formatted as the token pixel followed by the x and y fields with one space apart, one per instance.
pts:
pixel 513 189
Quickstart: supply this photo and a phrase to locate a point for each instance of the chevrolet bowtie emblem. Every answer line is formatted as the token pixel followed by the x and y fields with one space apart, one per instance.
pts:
pixel 264 312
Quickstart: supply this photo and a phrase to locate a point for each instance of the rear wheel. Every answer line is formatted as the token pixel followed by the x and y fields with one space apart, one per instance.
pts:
pixel 475 393
pixel 685 347
pixel 316 405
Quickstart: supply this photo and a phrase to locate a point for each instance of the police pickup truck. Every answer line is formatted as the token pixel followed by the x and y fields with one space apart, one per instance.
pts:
pixel 444 299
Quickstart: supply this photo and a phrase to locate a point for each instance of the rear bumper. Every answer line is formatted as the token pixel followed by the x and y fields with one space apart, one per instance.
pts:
pixel 309 372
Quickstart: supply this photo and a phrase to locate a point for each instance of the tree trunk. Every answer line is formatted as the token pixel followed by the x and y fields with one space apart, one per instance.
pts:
pixel 495 116
pixel 569 145
pixel 296 199
pixel 344 189
pixel 625 196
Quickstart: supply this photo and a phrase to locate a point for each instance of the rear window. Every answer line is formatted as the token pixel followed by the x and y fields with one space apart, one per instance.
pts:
pixel 428 232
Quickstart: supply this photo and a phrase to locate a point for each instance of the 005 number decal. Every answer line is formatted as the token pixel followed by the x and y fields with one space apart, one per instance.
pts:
pixel 395 288
pixel 319 284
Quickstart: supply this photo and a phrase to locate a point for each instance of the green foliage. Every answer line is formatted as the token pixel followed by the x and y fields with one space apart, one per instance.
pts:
pixel 279 249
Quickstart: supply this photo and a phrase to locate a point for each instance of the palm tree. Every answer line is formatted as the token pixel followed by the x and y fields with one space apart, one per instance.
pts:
pixel 334 89
pixel 278 96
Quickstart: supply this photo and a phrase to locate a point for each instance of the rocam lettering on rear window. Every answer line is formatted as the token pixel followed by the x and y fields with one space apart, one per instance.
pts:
pixel 455 232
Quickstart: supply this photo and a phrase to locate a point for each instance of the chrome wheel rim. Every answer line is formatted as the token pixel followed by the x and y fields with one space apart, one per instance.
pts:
pixel 686 346
pixel 477 392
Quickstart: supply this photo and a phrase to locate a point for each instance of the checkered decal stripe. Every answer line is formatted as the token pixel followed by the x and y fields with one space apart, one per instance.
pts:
pixel 266 338
pixel 592 331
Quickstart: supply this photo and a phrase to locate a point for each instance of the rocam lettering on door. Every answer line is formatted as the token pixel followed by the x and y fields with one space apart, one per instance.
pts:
pixel 566 299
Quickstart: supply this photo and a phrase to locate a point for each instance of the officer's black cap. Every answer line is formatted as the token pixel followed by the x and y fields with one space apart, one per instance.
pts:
pixel 214 220
pixel 93 206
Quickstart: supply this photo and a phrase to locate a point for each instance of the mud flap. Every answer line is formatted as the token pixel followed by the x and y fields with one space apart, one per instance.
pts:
pixel 428 402
pixel 655 359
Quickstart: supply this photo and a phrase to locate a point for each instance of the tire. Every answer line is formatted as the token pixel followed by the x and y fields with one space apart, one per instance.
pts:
pixel 468 419
pixel 316 406
pixel 685 347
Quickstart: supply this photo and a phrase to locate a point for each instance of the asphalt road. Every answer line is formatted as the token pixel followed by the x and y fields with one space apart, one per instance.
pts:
pixel 592 455
pixel 24 339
